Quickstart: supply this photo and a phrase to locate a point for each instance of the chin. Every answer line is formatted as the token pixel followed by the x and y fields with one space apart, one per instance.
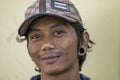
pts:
pixel 53 71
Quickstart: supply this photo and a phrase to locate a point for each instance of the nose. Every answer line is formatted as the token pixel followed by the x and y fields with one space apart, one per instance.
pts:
pixel 47 46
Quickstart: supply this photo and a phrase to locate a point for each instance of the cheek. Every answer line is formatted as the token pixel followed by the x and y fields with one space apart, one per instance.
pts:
pixel 71 48
pixel 68 44
pixel 33 49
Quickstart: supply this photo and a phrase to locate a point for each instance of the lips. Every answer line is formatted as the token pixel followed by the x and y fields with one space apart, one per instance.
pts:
pixel 49 59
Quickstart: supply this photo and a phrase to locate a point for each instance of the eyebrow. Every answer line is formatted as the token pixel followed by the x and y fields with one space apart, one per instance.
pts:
pixel 32 30
pixel 58 24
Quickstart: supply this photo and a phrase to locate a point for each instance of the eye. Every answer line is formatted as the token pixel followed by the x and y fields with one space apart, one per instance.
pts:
pixel 36 37
pixel 59 33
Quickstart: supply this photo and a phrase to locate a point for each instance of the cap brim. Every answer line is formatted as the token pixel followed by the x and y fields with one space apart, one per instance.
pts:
pixel 25 25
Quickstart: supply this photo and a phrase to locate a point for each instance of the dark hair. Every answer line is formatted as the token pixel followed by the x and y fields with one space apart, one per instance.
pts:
pixel 79 31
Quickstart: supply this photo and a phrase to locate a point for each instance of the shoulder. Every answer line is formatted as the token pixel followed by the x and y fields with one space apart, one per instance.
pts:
pixel 83 77
pixel 37 77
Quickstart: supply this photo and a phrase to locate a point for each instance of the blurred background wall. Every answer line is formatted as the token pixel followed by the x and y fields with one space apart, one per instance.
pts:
pixel 101 19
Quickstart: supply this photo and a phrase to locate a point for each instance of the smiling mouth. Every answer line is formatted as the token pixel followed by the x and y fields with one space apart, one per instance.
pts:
pixel 50 59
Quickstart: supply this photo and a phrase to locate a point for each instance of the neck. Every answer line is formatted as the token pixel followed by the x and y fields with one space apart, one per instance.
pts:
pixel 71 74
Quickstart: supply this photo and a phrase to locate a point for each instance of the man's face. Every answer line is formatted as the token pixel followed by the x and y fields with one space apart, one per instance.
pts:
pixel 52 44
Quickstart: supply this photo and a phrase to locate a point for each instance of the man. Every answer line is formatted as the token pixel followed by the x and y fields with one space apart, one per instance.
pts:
pixel 56 40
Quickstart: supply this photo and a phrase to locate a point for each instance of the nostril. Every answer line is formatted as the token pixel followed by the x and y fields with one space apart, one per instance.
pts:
pixel 47 46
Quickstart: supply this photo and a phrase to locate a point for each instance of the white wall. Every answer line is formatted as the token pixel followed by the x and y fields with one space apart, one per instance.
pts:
pixel 101 19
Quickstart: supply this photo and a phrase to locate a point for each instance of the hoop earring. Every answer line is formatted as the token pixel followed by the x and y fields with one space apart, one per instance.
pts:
pixel 81 52
pixel 37 69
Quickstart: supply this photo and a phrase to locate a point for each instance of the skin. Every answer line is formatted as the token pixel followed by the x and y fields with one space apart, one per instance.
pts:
pixel 52 45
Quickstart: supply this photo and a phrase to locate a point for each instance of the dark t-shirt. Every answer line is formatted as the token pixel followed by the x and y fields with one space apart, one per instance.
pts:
pixel 83 77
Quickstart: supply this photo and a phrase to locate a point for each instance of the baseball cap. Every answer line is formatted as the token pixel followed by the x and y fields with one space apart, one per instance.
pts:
pixel 59 8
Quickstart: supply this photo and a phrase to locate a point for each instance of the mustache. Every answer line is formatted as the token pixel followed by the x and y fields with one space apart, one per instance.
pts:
pixel 49 53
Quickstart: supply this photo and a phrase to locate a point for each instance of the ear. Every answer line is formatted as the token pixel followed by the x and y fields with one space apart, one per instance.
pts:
pixel 85 39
